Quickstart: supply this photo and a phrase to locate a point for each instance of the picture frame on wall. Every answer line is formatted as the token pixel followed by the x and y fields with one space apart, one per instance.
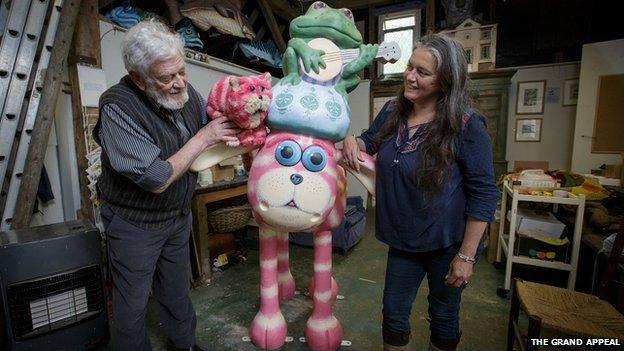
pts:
pixel 530 99
pixel 570 92
pixel 528 130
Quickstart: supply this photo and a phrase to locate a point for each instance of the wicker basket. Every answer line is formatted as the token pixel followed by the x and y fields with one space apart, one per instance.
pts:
pixel 229 219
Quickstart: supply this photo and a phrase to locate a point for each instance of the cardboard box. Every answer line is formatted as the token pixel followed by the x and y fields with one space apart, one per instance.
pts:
pixel 222 173
pixel 613 171
pixel 544 249
pixel 531 223
pixel 535 178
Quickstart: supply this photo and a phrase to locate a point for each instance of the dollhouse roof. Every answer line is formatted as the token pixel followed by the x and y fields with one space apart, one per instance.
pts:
pixel 471 24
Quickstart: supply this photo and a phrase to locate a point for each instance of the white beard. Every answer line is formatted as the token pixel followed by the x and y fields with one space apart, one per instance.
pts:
pixel 165 101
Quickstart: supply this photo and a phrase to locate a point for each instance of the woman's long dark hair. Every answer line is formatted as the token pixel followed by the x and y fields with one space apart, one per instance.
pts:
pixel 437 148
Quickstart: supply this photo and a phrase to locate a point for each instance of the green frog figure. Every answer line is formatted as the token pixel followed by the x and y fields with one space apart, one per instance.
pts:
pixel 309 103
pixel 337 25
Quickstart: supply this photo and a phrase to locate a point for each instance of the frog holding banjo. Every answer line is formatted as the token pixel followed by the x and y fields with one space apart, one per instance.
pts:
pixel 317 39
pixel 324 55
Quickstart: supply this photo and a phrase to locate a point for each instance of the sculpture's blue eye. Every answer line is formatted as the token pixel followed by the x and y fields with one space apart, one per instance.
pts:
pixel 314 158
pixel 288 153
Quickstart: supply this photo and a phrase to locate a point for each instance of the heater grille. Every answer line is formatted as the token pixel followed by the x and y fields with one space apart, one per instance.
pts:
pixel 42 305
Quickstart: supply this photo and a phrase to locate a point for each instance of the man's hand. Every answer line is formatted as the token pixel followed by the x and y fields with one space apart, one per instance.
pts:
pixel 218 130
pixel 459 273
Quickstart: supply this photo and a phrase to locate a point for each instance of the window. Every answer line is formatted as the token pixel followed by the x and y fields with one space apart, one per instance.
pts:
pixel 485 34
pixel 485 52
pixel 403 28
pixel 469 55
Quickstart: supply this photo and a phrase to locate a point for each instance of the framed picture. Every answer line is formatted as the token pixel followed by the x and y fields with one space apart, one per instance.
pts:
pixel 528 129
pixel 530 100
pixel 570 92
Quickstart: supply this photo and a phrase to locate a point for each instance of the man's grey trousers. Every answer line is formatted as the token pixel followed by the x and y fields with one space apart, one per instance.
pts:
pixel 140 259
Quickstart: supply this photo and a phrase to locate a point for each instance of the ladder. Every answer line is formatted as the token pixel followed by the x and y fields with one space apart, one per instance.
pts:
pixel 10 42
pixel 24 60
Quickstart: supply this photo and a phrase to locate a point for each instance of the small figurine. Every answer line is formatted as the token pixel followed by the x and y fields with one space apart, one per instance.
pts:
pixel 245 101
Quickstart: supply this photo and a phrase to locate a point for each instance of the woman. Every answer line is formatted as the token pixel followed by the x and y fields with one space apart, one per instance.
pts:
pixel 435 190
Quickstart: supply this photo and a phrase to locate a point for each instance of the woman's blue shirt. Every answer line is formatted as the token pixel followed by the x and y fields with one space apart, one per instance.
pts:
pixel 406 220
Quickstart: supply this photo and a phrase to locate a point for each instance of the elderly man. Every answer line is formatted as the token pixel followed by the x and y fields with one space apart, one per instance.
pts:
pixel 150 130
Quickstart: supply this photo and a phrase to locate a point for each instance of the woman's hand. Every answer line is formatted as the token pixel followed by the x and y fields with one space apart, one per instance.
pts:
pixel 351 153
pixel 459 273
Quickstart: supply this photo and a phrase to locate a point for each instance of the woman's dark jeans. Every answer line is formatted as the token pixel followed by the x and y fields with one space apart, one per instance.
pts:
pixel 404 273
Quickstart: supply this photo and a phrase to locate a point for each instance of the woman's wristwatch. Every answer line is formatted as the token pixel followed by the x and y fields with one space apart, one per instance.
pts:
pixel 466 258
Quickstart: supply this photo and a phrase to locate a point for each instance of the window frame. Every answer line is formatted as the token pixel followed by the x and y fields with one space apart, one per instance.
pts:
pixel 486 33
pixel 416 34
pixel 489 53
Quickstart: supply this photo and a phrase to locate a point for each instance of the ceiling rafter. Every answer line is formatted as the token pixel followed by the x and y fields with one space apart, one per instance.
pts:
pixel 272 24
pixel 283 10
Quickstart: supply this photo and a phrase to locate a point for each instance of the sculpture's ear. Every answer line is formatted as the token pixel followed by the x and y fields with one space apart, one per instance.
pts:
pixel 267 76
pixel 366 175
pixel 234 83
pixel 217 153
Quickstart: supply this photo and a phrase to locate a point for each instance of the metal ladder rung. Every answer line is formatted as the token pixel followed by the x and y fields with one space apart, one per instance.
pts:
pixel 9 119
pixel 10 43
pixel 29 119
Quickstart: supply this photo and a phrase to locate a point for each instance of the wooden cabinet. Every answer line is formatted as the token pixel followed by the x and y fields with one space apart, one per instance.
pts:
pixel 490 95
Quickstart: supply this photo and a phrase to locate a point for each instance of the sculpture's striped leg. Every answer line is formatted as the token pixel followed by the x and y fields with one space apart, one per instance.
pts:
pixel 268 329
pixel 323 331
pixel 284 277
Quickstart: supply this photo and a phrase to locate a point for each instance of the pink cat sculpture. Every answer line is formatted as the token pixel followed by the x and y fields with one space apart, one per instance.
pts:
pixel 295 184
pixel 245 101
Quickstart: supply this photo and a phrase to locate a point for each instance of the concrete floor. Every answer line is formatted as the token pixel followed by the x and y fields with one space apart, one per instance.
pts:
pixel 226 307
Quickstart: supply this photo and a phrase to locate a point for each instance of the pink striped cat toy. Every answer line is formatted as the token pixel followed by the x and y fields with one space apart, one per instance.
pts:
pixel 245 101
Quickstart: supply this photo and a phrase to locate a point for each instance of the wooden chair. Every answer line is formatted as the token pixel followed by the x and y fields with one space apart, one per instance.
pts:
pixel 573 313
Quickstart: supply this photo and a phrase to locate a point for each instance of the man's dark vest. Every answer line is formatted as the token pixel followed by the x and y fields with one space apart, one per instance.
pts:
pixel 128 200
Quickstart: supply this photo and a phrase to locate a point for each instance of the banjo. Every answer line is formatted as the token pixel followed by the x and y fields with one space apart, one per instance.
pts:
pixel 335 59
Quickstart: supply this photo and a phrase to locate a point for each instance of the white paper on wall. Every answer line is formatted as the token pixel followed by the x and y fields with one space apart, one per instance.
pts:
pixel 92 84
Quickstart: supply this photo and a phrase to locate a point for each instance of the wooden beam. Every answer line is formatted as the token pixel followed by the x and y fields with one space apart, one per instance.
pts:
pixel 85 46
pixel 253 17
pixel 45 115
pixel 371 38
pixel 270 19
pixel 173 10
pixel 104 3
pixel 283 9
pixel 360 4
pixel 86 32
pixel 261 33
pixel 430 19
